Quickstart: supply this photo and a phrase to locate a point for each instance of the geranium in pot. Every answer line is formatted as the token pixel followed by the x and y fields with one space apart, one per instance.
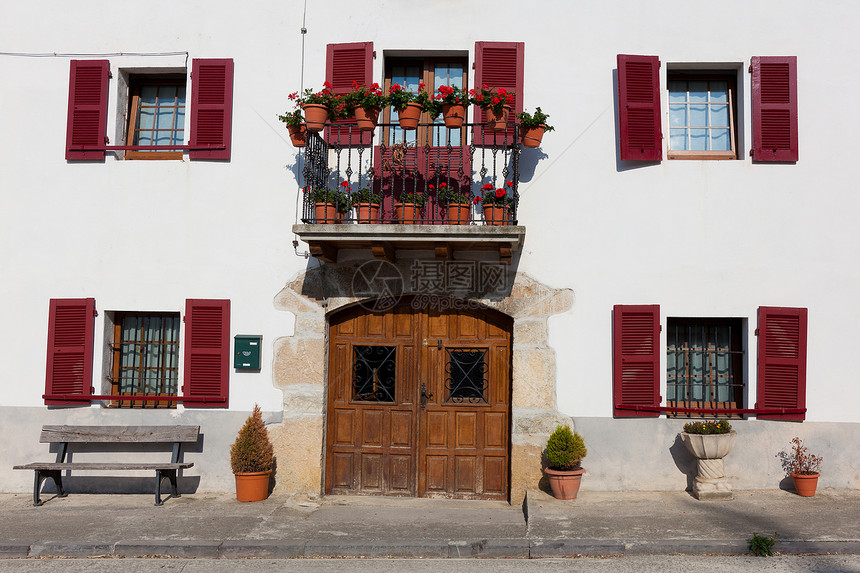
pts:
pixel 252 458
pixel 457 202
pixel 710 441
pixel 366 103
pixel 296 127
pixel 319 107
pixel 408 208
pixel 453 101
pixel 495 103
pixel 496 204
pixel 403 102
pixel 532 127
pixel 365 205
pixel 805 468
pixel 563 454
pixel 329 205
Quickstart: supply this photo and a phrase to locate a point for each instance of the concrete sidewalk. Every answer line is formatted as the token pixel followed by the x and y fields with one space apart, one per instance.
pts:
pixel 598 523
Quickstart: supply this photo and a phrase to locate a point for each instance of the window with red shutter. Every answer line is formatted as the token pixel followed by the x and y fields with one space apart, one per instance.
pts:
pixel 636 359
pixel 782 361
pixel 774 108
pixel 641 137
pixel 499 65
pixel 207 353
pixel 70 350
pixel 211 107
pixel 345 64
pixel 87 113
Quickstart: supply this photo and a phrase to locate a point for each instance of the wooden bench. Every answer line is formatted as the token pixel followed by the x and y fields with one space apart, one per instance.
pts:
pixel 65 435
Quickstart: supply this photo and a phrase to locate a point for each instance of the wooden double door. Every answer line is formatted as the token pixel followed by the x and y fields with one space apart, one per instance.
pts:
pixel 419 403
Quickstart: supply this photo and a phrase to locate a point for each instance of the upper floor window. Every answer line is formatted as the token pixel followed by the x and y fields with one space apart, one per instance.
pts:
pixel 702 116
pixel 156 115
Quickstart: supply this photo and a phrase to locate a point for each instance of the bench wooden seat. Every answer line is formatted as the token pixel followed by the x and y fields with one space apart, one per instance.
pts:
pixel 65 435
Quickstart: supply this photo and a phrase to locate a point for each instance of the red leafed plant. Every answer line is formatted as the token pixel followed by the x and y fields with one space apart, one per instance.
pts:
pixel 802 462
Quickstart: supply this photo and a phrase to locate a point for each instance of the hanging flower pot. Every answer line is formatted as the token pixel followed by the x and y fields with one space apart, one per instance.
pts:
pixel 367 212
pixel 316 116
pixel 298 134
pixel 459 214
pixel 367 117
pixel 532 136
pixel 498 122
pixel 496 215
pixel 252 486
pixel 407 213
pixel 327 214
pixel 454 115
pixel 410 115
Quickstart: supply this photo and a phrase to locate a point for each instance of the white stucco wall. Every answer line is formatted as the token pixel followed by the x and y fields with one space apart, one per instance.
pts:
pixel 700 238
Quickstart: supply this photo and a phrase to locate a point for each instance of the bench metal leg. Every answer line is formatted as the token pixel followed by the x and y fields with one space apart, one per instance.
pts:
pixel 41 475
pixel 160 475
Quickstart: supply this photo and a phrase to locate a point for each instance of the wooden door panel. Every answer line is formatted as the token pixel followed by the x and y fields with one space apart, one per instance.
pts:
pixel 371 428
pixel 468 327
pixel 371 472
pixel 344 424
pixel 495 475
pixel 465 476
pixel 401 472
pixel 437 430
pixel 375 324
pixel 342 470
pixel 466 429
pixel 402 427
pixel 495 430
pixel 436 472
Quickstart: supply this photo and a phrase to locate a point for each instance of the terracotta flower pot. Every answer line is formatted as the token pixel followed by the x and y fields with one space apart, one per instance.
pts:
pixel 252 486
pixel 459 213
pixel 532 136
pixel 564 484
pixel 498 122
pixel 316 116
pixel 805 484
pixel 410 115
pixel 366 213
pixel 298 134
pixel 454 115
pixel 327 214
pixel 407 213
pixel 496 215
pixel 367 117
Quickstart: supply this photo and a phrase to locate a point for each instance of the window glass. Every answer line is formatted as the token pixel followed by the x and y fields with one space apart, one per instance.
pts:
pixel 145 357
pixel 700 114
pixel 156 115
pixel 374 369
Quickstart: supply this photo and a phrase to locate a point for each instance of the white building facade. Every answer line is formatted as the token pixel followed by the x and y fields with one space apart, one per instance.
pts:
pixel 692 204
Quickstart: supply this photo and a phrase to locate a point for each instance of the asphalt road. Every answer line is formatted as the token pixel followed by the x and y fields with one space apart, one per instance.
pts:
pixel 623 564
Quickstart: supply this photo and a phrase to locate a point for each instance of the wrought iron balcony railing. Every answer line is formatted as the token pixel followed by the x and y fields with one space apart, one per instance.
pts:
pixel 430 176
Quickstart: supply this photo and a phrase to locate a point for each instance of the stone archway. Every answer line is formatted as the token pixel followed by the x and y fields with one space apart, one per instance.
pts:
pixel 300 369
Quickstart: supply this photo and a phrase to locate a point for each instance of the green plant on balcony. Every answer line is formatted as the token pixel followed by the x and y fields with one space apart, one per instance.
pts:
pixel 452 195
pixel 489 98
pixel 413 198
pixel 431 107
pixel 497 197
pixel 537 119
pixel 336 198
pixel 365 195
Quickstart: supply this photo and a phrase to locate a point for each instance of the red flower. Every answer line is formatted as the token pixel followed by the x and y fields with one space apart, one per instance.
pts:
pixel 443 184
pixel 430 186
pixel 509 184
pixel 488 186
pixel 293 95
pixel 327 85
pixel 500 192
pixel 476 200
pixel 344 184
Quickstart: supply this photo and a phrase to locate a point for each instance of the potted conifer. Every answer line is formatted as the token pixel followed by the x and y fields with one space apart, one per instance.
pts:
pixel 252 457
pixel 564 452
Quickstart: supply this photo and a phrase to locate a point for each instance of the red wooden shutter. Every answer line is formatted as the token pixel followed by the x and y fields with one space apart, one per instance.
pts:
pixel 207 353
pixel 782 360
pixel 347 63
pixel 499 65
pixel 88 97
pixel 774 108
pixel 639 108
pixel 636 359
pixel 70 349
pixel 211 107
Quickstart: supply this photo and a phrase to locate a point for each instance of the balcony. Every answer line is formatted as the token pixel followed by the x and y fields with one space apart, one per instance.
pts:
pixel 431 167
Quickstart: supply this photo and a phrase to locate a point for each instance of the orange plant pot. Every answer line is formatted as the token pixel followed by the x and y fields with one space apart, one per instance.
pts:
pixel 498 122
pixel 564 484
pixel 298 135
pixel 327 214
pixel 409 116
pixel 252 486
pixel 459 214
pixel 496 215
pixel 407 213
pixel 367 118
pixel 454 115
pixel 316 115
pixel 805 484
pixel 367 213
pixel 532 136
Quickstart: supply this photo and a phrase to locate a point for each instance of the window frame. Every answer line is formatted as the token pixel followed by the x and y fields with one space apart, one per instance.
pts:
pixel 704 74
pixel 135 83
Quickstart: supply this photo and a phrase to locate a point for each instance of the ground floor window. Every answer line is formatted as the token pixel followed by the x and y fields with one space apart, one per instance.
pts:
pixel 145 352
pixel 704 363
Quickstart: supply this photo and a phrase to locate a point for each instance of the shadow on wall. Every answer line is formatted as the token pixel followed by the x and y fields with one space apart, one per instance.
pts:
pixel 623 165
pixel 684 461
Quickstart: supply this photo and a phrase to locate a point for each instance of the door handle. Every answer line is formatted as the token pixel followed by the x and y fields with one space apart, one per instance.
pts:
pixel 425 395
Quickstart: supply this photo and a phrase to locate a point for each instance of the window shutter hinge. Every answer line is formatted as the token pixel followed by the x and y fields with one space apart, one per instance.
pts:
pixel 92 390
pixel 756 331
pixel 110 74
pixel 751 152
pixel 749 69
pixel 95 312
pixel 374 54
pixel 183 319
pixel 107 140
pixel 661 328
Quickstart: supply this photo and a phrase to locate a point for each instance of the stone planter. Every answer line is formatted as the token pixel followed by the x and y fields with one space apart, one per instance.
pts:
pixel 710 449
